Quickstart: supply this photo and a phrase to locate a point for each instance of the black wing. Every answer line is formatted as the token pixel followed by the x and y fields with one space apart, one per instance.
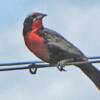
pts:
pixel 59 47
pixel 57 40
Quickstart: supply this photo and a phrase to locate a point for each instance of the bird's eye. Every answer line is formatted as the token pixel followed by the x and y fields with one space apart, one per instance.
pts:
pixel 34 17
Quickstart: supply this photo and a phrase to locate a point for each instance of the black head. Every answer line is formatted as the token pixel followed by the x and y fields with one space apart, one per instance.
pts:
pixel 30 20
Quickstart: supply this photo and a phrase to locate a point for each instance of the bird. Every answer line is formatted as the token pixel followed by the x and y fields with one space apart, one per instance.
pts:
pixel 51 47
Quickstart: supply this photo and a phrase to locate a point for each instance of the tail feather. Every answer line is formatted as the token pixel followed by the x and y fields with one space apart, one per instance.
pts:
pixel 92 73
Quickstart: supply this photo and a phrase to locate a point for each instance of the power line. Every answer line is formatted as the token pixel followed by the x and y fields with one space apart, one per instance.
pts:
pixel 30 62
pixel 34 65
pixel 95 57
pixel 19 63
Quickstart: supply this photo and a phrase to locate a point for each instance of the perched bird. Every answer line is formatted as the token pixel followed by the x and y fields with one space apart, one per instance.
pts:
pixel 53 48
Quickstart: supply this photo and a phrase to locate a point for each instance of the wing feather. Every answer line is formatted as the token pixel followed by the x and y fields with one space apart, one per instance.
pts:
pixel 55 39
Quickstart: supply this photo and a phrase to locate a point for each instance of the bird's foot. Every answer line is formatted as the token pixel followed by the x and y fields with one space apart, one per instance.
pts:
pixel 61 64
pixel 61 68
pixel 32 68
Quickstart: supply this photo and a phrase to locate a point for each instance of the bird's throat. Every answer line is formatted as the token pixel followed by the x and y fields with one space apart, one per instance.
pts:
pixel 36 26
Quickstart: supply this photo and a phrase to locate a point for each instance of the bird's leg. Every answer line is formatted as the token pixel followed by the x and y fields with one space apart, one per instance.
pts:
pixel 61 64
pixel 32 68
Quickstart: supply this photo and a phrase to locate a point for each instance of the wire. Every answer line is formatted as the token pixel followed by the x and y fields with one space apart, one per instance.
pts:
pixel 30 62
pixel 19 63
pixel 82 62
pixel 40 64
pixel 23 68
pixel 95 57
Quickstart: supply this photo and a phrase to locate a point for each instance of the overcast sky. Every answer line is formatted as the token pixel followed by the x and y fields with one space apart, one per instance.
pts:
pixel 77 20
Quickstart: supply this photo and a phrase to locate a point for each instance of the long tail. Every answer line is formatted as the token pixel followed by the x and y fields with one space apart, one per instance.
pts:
pixel 92 73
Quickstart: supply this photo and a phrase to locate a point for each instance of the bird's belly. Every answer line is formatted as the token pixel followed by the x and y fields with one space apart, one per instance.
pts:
pixel 38 48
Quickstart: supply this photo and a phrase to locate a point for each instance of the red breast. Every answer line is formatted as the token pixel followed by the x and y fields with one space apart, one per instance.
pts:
pixel 33 41
pixel 36 44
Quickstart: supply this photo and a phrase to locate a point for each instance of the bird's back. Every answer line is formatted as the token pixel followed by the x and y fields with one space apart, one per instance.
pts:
pixel 59 47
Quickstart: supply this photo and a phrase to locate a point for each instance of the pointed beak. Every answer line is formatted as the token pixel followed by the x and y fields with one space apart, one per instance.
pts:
pixel 41 16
